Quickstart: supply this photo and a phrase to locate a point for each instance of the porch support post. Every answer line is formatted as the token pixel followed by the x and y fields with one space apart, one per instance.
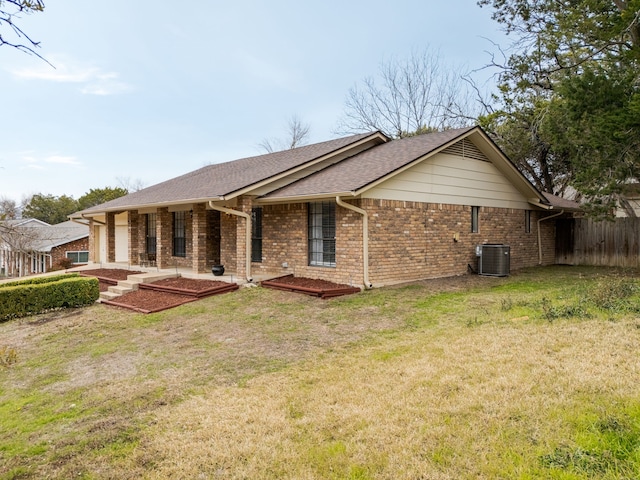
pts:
pixel 199 253
pixel 133 222
pixel 111 236
pixel 164 238
pixel 242 231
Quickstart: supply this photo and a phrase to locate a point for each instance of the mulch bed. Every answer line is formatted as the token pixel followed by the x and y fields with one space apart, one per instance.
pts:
pixel 149 301
pixel 309 286
pixel 169 293
pixel 189 286
pixel 109 275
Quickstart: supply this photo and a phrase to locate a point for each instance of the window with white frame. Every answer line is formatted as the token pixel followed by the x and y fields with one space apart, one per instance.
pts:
pixel 78 257
pixel 322 234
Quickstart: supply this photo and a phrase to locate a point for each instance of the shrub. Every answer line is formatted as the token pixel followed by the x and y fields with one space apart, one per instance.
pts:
pixel 38 295
pixel 8 356
pixel 613 294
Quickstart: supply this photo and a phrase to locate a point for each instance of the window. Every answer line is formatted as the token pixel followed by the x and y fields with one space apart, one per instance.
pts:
pixel 527 221
pixel 256 234
pixel 179 234
pixel 151 233
pixel 78 257
pixel 475 219
pixel 322 234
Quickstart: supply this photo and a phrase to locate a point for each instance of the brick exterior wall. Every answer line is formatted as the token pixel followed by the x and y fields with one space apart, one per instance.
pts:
pixel 407 241
pixel 60 252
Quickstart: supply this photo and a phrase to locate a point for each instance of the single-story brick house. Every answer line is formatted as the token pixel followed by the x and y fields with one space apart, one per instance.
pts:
pixel 363 209
pixel 29 246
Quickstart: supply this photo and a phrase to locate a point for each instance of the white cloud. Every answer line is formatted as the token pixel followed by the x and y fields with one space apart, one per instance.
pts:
pixel 95 80
pixel 62 160
pixel 33 162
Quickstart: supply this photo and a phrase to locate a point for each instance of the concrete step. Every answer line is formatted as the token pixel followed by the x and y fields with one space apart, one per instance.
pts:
pixel 108 295
pixel 150 277
pixel 120 290
pixel 128 284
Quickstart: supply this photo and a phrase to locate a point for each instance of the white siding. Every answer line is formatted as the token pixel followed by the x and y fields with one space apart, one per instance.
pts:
pixel 450 179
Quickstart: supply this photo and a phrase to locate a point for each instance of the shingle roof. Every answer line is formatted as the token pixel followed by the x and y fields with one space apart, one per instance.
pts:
pixel 222 179
pixel 365 168
pixel 59 234
pixel 561 203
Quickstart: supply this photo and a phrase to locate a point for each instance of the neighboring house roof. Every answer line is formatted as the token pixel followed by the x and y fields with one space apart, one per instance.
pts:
pixel 25 222
pixel 560 203
pixel 42 237
pixel 222 180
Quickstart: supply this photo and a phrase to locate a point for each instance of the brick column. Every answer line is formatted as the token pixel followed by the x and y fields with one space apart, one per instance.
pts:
pixel 92 241
pixel 134 224
pixel 111 236
pixel 244 205
pixel 199 253
pixel 142 235
pixel 164 234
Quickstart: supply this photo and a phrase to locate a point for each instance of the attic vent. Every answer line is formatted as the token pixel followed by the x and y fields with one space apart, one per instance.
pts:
pixel 465 148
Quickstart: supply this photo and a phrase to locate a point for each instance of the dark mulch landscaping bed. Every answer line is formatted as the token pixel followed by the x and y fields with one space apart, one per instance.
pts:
pixel 309 286
pixel 189 286
pixel 149 301
pixel 109 275
pixel 169 293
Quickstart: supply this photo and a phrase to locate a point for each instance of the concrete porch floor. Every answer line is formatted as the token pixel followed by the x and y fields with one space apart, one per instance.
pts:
pixel 229 277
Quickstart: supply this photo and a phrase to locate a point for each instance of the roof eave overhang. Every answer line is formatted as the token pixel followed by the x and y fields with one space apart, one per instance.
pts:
pixel 302 198
pixel 123 208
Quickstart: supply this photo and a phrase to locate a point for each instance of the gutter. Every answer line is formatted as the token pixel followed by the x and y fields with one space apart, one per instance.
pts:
pixel 247 217
pixel 365 238
pixel 539 236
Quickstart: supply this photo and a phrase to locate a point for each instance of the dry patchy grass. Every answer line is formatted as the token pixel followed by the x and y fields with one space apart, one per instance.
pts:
pixel 456 378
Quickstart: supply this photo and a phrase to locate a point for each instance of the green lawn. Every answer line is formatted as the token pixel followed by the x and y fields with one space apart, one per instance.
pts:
pixel 532 376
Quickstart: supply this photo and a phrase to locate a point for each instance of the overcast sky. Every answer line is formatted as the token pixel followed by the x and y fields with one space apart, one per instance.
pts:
pixel 153 89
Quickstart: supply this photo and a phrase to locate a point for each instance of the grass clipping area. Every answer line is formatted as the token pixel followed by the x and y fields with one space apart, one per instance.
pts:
pixel 531 376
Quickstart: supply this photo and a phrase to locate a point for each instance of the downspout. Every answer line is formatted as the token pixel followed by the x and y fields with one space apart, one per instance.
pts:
pixel 247 217
pixel 540 236
pixel 365 238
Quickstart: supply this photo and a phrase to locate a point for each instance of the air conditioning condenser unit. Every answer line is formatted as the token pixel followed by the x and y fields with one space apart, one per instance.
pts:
pixel 493 259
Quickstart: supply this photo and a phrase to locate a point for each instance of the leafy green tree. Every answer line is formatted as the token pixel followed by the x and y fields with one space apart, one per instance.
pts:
pixel 569 94
pixel 96 196
pixel 49 208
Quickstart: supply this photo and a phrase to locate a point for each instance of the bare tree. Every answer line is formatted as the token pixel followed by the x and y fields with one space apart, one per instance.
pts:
pixel 10 12
pixel 8 209
pixel 130 184
pixel 417 95
pixel 297 135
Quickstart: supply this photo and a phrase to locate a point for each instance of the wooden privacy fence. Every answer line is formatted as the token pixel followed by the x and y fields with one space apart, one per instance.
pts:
pixel 608 243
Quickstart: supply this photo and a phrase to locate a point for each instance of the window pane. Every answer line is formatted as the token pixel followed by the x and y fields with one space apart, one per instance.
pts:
pixel 179 240
pixel 322 233
pixel 256 234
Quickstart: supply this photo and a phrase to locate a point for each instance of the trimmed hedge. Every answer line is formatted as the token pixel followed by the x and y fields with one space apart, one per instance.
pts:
pixel 36 280
pixel 38 295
